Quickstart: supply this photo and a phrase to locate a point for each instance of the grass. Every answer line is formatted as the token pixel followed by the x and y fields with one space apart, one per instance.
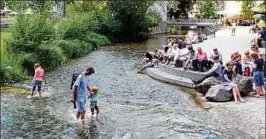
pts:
pixel 4 36
pixel 14 90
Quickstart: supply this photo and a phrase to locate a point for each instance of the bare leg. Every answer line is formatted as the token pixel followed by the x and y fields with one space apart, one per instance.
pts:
pixel 40 94
pixel 239 95
pixel 83 115
pixel 258 91
pixel 235 95
pixel 78 115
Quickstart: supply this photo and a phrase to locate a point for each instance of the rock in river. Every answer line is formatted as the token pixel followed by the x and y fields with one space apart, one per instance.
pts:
pixel 204 86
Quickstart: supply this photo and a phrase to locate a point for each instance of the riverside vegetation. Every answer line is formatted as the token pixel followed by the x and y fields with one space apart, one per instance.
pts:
pixel 41 37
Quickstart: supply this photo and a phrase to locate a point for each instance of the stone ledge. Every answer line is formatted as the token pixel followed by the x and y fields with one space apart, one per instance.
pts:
pixel 169 78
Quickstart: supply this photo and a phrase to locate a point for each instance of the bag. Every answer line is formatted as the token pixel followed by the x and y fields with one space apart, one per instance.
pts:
pixel 74 78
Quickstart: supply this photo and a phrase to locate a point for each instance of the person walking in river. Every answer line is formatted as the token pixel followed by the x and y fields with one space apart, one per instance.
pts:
pixel 228 84
pixel 93 102
pixel 37 79
pixel 258 74
pixel 79 91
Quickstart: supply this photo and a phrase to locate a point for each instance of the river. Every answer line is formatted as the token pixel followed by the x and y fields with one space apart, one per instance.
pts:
pixel 131 105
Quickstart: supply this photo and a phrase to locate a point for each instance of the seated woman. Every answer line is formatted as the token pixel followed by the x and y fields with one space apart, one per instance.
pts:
pixel 247 64
pixel 228 84
pixel 191 55
pixel 147 61
pixel 201 60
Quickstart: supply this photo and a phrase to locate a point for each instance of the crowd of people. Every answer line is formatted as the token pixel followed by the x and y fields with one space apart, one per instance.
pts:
pixel 250 64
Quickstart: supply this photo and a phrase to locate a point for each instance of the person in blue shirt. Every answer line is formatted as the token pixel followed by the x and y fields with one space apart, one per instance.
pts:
pixel 79 91
pixel 228 84
pixel 258 73
pixel 93 101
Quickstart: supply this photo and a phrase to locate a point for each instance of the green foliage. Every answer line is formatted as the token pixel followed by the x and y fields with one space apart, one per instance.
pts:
pixel 180 8
pixel 10 69
pixel 246 7
pixel 131 16
pixel 86 6
pixel 28 32
pixel 207 9
pixel 35 5
pixel 27 62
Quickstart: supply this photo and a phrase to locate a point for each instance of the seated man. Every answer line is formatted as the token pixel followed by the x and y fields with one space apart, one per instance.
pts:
pixel 211 61
pixel 201 60
pixel 171 55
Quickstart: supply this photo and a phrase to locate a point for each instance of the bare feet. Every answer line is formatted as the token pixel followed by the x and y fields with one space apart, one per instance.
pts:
pixel 237 102
pixel 257 96
pixel 242 100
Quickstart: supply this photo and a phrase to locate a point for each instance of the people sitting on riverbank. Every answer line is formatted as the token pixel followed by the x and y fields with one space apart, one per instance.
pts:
pixel 211 60
pixel 201 60
pixel 188 40
pixel 159 54
pixel 191 55
pixel 247 64
pixel 228 82
pixel 258 74
pixel 147 62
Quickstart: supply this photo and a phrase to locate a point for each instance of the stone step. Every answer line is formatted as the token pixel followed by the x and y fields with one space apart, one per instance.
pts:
pixel 169 78
pixel 185 74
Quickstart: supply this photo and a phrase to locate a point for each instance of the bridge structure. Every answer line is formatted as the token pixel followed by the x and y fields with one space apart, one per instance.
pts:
pixel 193 22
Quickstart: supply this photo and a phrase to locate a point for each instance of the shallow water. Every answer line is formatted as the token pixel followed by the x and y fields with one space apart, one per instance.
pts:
pixel 131 105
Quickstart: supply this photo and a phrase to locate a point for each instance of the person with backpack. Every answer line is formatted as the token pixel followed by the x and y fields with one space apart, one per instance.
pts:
pixel 79 91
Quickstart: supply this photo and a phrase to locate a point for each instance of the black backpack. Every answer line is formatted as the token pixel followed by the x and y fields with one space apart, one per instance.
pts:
pixel 74 78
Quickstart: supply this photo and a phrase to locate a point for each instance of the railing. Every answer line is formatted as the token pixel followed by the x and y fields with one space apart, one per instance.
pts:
pixel 193 21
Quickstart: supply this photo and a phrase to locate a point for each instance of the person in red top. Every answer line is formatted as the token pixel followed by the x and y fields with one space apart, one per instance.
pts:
pixel 38 78
pixel 201 60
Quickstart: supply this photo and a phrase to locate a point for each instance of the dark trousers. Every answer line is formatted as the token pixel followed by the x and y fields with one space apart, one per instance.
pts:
pixel 96 108
pixel 198 65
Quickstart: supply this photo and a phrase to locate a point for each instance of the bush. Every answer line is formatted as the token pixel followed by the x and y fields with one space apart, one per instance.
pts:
pixel 76 26
pixel 96 40
pixel 50 57
pixel 73 48
pixel 27 62
pixel 28 32
pixel 10 69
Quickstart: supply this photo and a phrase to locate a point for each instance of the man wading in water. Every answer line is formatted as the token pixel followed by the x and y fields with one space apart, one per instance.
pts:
pixel 79 91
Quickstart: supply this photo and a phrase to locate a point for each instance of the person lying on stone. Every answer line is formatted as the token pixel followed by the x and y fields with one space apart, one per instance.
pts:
pixel 211 60
pixel 201 60
pixel 228 84
pixel 147 58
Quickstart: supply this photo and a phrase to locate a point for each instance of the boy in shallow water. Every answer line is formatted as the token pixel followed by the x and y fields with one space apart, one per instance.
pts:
pixel 93 100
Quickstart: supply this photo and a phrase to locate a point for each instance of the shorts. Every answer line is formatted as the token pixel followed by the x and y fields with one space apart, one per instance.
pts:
pixel 228 86
pixel 37 84
pixel 258 78
pixel 93 104
pixel 81 106
pixel 148 65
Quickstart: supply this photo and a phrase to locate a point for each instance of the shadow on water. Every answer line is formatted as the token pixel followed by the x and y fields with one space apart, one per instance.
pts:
pixel 131 105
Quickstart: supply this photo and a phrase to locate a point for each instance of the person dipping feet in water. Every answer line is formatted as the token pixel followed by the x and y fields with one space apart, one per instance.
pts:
pixel 79 91
pixel 37 79
pixel 93 102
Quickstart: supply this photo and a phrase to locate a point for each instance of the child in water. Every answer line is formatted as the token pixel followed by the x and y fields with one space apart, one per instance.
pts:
pixel 93 100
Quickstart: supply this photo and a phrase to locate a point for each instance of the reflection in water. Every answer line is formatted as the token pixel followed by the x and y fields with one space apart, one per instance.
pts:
pixel 131 105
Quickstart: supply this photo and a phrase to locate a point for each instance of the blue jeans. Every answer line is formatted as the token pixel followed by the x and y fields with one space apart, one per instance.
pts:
pixel 258 78
pixel 37 84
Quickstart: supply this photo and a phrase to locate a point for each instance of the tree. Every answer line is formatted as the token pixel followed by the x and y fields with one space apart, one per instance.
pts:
pixel 181 7
pixel 132 16
pixel 207 9
pixel 246 7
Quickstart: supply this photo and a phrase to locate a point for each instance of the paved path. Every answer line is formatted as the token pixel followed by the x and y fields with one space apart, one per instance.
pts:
pixel 228 44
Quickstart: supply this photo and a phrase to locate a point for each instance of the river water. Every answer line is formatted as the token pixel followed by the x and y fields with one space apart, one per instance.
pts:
pixel 131 105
